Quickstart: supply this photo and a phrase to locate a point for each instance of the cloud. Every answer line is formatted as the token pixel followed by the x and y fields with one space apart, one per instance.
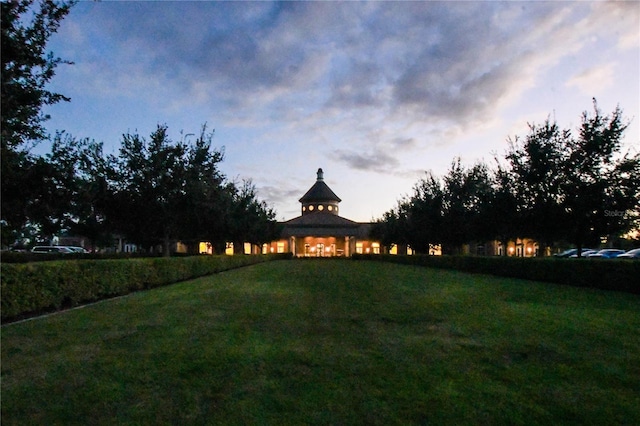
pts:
pixel 346 55
pixel 374 160
pixel 594 78
pixel 278 194
pixel 434 69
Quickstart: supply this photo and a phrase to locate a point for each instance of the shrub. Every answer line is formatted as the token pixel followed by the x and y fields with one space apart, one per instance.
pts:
pixel 612 274
pixel 32 288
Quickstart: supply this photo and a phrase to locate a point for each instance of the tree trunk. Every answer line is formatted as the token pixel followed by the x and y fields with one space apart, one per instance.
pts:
pixel 166 246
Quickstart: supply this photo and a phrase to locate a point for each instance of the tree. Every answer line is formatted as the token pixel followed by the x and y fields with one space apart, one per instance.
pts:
pixel 207 202
pixel 165 192
pixel 393 227
pixel 150 187
pixel 465 193
pixel 536 166
pixel 250 219
pixel 444 212
pixel 502 215
pixel 26 70
pixel 87 210
pixel 600 192
pixel 425 210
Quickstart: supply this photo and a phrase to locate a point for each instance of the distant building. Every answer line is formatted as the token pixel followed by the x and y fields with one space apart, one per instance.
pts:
pixel 320 231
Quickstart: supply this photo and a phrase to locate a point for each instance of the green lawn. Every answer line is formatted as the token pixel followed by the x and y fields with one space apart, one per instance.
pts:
pixel 331 342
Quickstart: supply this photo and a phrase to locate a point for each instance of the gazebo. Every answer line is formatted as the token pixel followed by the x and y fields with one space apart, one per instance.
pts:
pixel 320 231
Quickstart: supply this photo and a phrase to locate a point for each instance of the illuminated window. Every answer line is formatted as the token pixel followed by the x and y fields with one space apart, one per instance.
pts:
pixel 329 208
pixel 280 246
pixel 359 248
pixel 320 207
pixel 310 208
pixel 304 208
pixel 376 248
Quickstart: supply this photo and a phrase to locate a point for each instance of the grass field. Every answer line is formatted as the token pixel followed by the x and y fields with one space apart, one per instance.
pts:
pixel 331 342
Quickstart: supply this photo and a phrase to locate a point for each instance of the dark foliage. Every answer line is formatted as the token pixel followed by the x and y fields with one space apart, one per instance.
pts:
pixel 35 288
pixel 26 70
pixel 555 187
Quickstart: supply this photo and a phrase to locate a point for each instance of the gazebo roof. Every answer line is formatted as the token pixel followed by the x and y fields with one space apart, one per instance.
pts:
pixel 320 191
pixel 324 224
pixel 321 219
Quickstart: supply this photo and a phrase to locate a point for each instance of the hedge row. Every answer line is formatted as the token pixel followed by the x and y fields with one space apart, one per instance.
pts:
pixel 34 288
pixel 610 274
pixel 26 257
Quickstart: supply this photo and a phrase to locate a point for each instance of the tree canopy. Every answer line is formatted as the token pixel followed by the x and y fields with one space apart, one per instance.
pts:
pixel 154 191
pixel 27 68
pixel 552 185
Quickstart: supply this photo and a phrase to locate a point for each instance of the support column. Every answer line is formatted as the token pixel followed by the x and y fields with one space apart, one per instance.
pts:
pixel 292 246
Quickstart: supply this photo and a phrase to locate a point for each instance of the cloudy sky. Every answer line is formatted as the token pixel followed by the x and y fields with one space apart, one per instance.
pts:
pixel 375 93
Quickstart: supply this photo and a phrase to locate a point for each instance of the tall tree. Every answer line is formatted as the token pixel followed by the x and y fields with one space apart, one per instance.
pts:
pixel 537 172
pixel 207 202
pixel 465 192
pixel 92 196
pixel 149 188
pixel 26 70
pixel 425 214
pixel 27 67
pixel 601 189
pixel 502 214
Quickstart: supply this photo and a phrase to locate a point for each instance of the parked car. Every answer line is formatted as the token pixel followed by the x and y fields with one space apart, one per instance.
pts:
pixel 51 249
pixel 584 253
pixel 76 249
pixel 631 254
pixel 606 254
pixel 571 252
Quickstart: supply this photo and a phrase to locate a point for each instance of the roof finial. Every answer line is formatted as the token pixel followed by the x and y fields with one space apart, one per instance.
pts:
pixel 320 174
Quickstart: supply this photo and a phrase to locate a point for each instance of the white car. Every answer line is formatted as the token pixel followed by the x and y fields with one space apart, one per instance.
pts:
pixel 584 253
pixel 76 249
pixel 631 254
pixel 606 254
pixel 51 249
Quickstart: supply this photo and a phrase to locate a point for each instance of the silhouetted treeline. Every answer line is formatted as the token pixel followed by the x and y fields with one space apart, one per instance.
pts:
pixel 553 185
pixel 153 192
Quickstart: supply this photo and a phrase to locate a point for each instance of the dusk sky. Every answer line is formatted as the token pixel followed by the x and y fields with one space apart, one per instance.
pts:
pixel 375 93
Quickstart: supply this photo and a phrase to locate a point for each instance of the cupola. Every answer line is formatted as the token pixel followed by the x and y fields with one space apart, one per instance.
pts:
pixel 320 198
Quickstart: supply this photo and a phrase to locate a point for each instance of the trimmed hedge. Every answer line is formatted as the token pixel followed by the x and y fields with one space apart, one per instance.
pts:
pixel 610 274
pixel 30 289
pixel 26 257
